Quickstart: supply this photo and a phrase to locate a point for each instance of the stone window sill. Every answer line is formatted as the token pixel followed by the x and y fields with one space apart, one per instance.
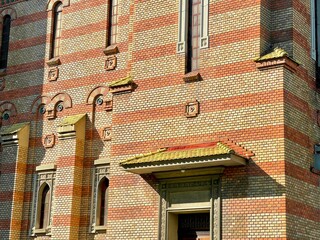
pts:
pixel 112 49
pixel 192 77
pixel 315 171
pixel 42 231
pixel 100 228
pixel 53 62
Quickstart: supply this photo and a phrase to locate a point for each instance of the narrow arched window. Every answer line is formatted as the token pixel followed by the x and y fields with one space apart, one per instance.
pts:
pixel 56 30
pixel 5 41
pixel 113 22
pixel 102 203
pixel 43 211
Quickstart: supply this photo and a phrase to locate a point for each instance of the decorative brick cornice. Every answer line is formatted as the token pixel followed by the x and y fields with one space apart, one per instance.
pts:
pixel 122 85
pixel 278 62
pixel 277 58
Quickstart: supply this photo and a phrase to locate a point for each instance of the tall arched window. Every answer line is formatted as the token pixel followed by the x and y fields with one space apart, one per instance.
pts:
pixel 56 30
pixel 5 41
pixel 102 203
pixel 43 207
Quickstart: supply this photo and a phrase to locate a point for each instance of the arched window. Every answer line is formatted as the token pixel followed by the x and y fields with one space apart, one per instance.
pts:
pixel 56 30
pixel 102 203
pixel 5 41
pixel 43 207
pixel 113 22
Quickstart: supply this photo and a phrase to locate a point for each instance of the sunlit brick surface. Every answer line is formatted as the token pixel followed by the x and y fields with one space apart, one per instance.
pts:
pixel 272 112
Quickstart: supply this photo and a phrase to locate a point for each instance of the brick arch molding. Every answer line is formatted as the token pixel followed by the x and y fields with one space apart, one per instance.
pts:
pixel 51 4
pixel 38 101
pixel 61 97
pixel 8 11
pixel 100 90
pixel 8 106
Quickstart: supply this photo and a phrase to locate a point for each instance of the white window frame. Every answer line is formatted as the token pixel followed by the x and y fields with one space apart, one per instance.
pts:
pixel 182 25
pixel 46 174
pixel 100 171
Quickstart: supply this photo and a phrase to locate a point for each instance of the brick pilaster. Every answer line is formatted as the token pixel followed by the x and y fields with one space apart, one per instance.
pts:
pixel 15 141
pixel 66 216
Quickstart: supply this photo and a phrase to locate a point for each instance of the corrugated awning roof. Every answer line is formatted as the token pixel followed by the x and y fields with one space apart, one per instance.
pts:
pixel 217 153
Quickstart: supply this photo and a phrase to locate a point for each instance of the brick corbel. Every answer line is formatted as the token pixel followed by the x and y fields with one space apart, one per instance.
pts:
pixel 122 85
pixel 285 62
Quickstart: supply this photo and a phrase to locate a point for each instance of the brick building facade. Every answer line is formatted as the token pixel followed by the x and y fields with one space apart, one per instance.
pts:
pixel 154 119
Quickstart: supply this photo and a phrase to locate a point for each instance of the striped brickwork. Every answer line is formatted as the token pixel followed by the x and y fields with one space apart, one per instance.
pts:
pixel 272 112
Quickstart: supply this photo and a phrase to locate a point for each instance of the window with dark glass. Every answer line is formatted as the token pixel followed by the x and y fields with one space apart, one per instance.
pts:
pixel 193 31
pixel 113 22
pixel 56 31
pixel 193 39
pixel 102 202
pixel 5 41
pixel 43 211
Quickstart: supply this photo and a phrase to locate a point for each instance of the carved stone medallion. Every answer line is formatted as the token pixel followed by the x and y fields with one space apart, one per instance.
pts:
pixel 53 74
pixel 111 63
pixel 192 108
pixel 106 133
pixel 48 141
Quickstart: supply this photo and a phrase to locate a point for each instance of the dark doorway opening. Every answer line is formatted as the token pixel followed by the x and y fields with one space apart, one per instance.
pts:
pixel 195 226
